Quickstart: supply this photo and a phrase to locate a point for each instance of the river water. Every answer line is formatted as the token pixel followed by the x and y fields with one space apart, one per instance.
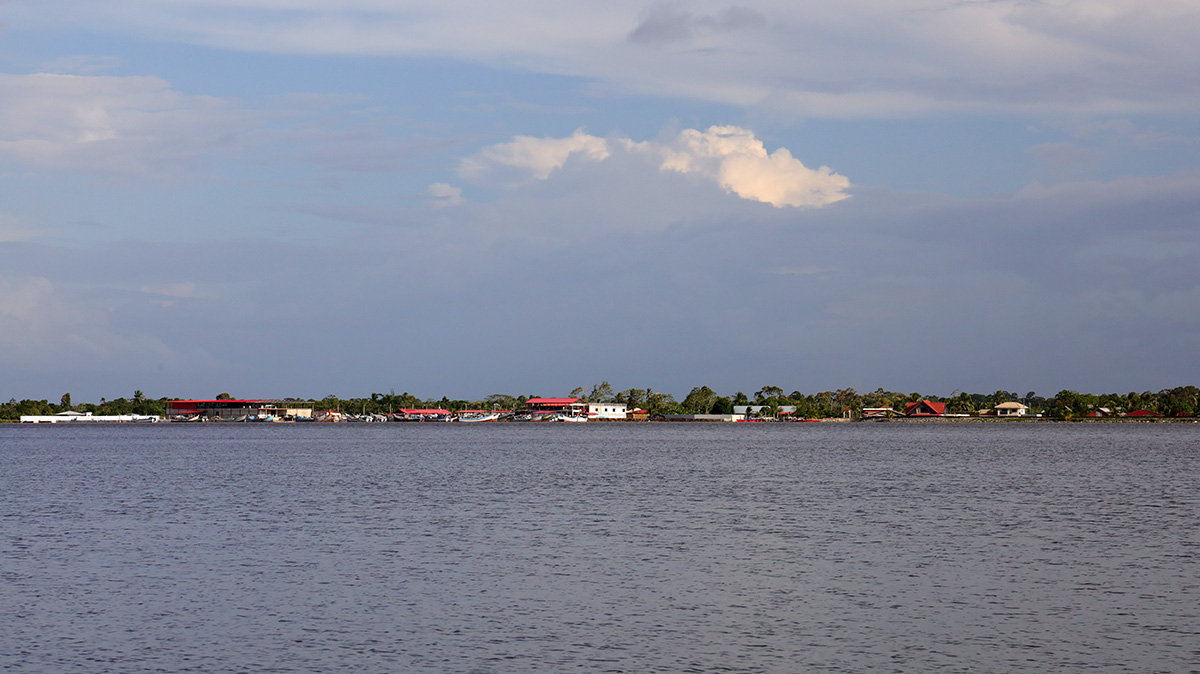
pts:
pixel 600 548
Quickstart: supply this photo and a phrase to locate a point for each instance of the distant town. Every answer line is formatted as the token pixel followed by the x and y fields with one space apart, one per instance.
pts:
pixel 601 403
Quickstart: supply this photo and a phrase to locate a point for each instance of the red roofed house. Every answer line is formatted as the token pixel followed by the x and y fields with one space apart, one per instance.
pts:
pixel 1143 413
pixel 924 408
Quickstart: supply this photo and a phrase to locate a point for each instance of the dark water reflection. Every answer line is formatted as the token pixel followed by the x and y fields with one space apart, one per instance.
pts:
pixel 606 548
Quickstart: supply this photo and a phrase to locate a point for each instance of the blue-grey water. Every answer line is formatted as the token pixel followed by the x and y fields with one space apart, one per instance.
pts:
pixel 600 548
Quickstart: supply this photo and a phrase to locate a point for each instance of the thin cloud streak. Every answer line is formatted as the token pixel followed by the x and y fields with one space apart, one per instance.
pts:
pixel 858 58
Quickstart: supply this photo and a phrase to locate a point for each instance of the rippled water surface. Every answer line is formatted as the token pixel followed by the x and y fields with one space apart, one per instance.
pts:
pixel 600 548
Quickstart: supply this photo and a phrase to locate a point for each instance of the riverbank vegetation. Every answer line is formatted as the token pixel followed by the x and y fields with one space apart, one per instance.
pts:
pixel 1182 401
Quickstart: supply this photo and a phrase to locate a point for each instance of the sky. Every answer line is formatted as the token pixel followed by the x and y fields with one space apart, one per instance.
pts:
pixel 278 198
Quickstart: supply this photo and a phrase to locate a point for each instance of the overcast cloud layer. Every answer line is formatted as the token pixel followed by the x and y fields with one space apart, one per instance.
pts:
pixel 303 197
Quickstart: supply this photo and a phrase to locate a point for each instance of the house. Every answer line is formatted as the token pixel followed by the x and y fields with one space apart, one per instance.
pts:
pixel 1011 409
pixel 878 412
pixel 1145 414
pixel 925 408
pixel 607 411
pixel 1099 413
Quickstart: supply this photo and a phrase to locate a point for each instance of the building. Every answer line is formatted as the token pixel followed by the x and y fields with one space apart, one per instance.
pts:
pixel 422 414
pixel 606 411
pixel 69 417
pixel 1145 414
pixel 236 409
pixel 541 407
pixel 756 410
pixel 1011 410
pixel 878 412
pixel 925 408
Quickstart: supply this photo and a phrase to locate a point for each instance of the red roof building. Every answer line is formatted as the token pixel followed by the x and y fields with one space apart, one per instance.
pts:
pixel 571 406
pixel 925 408
pixel 1143 413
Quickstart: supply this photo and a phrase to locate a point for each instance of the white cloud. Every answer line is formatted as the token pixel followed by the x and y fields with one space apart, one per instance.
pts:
pixel 444 195
pixel 847 58
pixel 539 156
pixel 136 125
pixel 740 164
pixel 730 156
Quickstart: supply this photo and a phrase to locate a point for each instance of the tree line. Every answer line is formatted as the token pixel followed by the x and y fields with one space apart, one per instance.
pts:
pixel 1066 404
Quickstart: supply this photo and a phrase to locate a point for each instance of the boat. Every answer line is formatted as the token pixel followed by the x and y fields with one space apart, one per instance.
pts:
pixel 477 417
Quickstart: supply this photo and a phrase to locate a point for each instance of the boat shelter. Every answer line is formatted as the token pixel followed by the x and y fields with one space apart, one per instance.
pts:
pixel 540 407
pixel 423 414
pixel 234 409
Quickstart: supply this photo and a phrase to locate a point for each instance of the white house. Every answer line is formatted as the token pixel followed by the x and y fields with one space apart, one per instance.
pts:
pixel 1011 410
pixel 606 410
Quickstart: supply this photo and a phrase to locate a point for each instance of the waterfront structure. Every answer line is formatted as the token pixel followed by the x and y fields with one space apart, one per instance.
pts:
pixel 543 407
pixel 607 411
pixel 423 414
pixel 745 411
pixel 878 412
pixel 703 417
pixel 87 417
pixel 237 409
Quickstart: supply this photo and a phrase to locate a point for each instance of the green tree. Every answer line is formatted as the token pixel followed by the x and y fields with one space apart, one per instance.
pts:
pixel 65 401
pixel 699 401
pixel 722 405
pixel 633 398
pixel 601 393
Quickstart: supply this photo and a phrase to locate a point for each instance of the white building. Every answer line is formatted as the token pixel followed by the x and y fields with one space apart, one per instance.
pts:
pixel 606 410
pixel 1011 410
pixel 86 417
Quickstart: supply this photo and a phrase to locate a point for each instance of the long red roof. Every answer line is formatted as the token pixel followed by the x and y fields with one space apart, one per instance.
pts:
pixel 551 401
pixel 188 402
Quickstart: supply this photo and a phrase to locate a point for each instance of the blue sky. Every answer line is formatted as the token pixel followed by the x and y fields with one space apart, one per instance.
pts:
pixel 308 197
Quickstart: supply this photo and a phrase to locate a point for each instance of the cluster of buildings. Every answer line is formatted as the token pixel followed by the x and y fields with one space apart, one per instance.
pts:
pixel 926 408
pixel 536 409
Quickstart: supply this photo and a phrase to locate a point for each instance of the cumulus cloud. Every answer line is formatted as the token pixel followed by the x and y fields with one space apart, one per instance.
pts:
pixel 740 164
pixel 730 156
pixel 538 156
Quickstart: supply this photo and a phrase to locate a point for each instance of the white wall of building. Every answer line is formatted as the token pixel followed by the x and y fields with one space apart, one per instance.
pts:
pixel 606 410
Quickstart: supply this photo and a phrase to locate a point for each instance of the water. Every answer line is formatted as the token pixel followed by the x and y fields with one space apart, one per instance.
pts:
pixel 600 548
